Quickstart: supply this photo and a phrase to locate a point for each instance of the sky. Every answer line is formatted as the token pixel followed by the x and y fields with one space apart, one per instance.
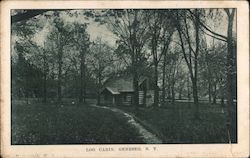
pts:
pixel 94 29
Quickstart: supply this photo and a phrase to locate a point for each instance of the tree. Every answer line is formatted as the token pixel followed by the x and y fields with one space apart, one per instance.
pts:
pixel 213 69
pixel 23 65
pixel 100 60
pixel 61 34
pixel 26 14
pixel 81 40
pixel 183 25
pixel 231 69
pixel 130 27
pixel 173 71
pixel 231 63
pixel 165 60
pixel 26 75
pixel 161 31
pixel 41 60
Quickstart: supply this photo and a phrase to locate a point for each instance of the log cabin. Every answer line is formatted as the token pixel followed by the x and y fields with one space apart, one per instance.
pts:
pixel 119 91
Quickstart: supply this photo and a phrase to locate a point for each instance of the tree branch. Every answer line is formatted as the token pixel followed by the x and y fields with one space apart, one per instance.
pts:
pixel 206 28
pixel 28 14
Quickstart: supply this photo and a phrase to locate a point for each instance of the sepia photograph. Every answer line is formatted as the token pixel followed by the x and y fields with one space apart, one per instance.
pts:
pixel 124 80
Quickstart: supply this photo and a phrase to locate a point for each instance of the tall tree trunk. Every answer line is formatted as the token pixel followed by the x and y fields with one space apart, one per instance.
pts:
pixel 59 83
pixel 27 86
pixel 197 49
pixel 135 62
pixel 84 83
pixel 209 91
pixel 136 90
pixel 44 79
pixel 81 83
pixel 222 101
pixel 164 52
pixel 195 97
pixel 154 42
pixel 230 66
pixel 99 87
pixel 44 88
pixel 173 93
pixel 82 79
pixel 215 93
pixel 164 80
pixel 188 89
pixel 169 91
pixel 135 100
pixel 180 92
pixel 156 91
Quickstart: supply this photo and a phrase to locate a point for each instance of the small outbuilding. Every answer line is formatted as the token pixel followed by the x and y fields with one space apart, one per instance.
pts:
pixel 120 91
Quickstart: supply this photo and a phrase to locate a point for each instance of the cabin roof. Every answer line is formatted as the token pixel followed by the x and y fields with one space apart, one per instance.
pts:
pixel 121 84
pixel 113 90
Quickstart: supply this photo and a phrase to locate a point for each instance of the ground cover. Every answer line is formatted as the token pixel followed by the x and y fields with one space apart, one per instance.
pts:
pixel 39 123
pixel 175 123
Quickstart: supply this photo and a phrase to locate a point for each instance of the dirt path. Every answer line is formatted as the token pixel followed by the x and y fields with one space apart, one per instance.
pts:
pixel 147 136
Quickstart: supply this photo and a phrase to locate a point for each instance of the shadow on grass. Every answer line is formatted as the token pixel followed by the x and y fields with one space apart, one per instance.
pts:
pixel 43 124
pixel 175 123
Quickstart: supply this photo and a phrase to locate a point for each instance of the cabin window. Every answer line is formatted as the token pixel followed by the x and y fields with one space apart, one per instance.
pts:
pixel 148 96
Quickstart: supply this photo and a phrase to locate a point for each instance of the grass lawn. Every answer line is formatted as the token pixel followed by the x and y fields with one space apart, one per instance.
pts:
pixel 176 123
pixel 69 124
